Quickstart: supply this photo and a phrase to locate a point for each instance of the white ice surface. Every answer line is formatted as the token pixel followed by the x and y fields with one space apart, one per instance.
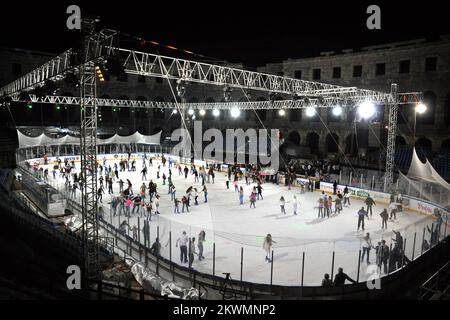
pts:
pixel 232 227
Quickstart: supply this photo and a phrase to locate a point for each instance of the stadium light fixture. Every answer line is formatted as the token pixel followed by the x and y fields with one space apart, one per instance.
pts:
pixel 235 112
pixel 337 111
pixel 202 112
pixel 310 111
pixel 174 111
pixel 421 108
pixel 282 113
pixel 216 113
pixel 366 110
pixel 191 112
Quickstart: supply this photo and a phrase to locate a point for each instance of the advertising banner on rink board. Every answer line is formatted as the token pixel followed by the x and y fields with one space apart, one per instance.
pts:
pixel 357 192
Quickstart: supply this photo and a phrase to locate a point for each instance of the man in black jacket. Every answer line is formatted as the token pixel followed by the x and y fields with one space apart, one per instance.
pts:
pixel 339 279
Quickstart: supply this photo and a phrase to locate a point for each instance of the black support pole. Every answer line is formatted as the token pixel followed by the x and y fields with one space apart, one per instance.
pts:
pixel 271 270
pixel 242 261
pixel 423 239
pixel 359 266
pixel 332 265
pixel 303 269
pixel 414 246
pixel 214 261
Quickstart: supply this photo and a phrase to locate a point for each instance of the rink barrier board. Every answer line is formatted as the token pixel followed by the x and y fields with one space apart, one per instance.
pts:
pixel 358 289
pixel 415 205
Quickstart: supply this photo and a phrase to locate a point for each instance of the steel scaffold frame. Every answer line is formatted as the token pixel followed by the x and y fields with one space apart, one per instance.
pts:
pixel 392 132
pixel 88 144
pixel 403 98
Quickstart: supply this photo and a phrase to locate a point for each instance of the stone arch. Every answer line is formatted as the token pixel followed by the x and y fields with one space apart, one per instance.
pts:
pixel 445 145
pixel 400 141
pixel 447 109
pixel 423 142
pixel 332 143
pixel 312 141
pixel 294 138
pixel 351 145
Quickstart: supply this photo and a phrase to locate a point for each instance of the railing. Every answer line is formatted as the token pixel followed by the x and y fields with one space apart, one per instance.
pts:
pixel 438 285
pixel 209 277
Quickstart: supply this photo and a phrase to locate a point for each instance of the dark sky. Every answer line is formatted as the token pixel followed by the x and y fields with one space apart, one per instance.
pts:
pixel 253 32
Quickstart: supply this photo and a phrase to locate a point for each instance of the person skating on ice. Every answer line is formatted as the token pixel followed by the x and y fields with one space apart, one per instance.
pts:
pixel 253 198
pixel 267 245
pixel 183 241
pixel 205 192
pixel 241 196
pixel 393 207
pixel 259 188
pixel 201 240
pixel 384 218
pixel 320 208
pixel 361 215
pixel 295 205
pixel 282 204
pixel 366 246
pixel 369 203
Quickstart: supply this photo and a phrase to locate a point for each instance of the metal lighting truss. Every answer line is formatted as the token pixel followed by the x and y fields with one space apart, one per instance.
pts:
pixel 146 64
pixel 328 102
pixel 392 132
pixel 152 65
pixel 92 50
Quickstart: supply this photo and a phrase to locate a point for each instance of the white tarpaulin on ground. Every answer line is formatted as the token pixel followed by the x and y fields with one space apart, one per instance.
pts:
pixel 43 140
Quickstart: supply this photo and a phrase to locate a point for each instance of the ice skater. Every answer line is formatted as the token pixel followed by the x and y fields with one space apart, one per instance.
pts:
pixel 201 239
pixel 361 215
pixel 295 205
pixel 282 204
pixel 394 208
pixel 259 188
pixel 367 245
pixel 384 218
pixel 253 198
pixel 369 203
pixel 320 208
pixel 241 196
pixel 236 185
pixel 205 192
pixel 267 245
pixel 183 241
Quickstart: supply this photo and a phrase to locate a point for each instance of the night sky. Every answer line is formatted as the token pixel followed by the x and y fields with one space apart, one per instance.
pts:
pixel 254 33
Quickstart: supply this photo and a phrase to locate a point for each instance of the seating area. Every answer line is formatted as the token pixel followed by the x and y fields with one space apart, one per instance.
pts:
pixel 442 164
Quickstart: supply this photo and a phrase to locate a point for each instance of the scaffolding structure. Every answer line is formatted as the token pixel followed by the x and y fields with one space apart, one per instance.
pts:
pixel 97 47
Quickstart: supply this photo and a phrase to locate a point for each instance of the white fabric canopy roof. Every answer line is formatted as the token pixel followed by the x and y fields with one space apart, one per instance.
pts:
pixel 425 172
pixel 43 140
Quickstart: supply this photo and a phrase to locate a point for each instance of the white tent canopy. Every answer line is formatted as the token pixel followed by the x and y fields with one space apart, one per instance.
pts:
pixel 43 140
pixel 424 182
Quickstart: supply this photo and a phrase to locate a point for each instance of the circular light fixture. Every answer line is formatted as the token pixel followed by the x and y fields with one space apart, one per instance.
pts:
pixel 216 113
pixel 337 111
pixel 193 117
pixel 366 109
pixel 191 112
pixel 202 112
pixel 235 112
pixel 175 111
pixel 281 112
pixel 421 108
pixel 310 111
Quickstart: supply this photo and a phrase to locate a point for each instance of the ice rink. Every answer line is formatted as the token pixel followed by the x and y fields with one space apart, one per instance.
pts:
pixel 236 229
